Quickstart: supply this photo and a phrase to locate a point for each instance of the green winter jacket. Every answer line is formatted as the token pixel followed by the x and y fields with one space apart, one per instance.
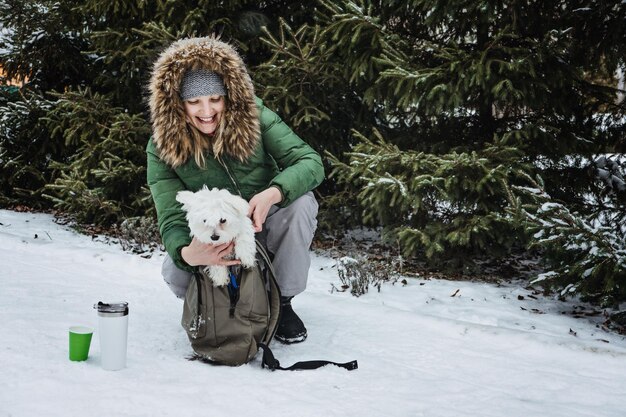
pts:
pixel 251 151
pixel 280 159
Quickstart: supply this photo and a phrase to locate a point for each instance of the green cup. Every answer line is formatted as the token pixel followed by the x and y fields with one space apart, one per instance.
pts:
pixel 80 339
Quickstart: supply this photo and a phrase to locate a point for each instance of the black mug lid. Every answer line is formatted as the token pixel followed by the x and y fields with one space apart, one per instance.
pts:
pixel 116 307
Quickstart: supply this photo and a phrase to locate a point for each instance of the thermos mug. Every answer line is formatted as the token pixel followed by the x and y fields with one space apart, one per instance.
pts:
pixel 113 330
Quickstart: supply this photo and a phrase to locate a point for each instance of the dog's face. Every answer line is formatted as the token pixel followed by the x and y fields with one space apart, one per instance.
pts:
pixel 214 216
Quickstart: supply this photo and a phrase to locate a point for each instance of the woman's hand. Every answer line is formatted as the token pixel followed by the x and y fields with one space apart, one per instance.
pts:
pixel 198 253
pixel 260 205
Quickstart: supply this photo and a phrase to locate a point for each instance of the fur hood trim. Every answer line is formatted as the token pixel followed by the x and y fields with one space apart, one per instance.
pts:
pixel 239 132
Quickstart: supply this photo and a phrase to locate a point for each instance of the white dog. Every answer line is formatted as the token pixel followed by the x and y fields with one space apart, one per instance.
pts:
pixel 217 216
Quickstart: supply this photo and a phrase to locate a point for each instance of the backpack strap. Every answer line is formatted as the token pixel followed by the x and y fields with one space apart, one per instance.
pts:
pixel 197 275
pixel 268 359
pixel 272 363
pixel 274 292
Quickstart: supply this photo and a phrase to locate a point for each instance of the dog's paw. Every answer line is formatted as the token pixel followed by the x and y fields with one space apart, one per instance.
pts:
pixel 245 251
pixel 247 259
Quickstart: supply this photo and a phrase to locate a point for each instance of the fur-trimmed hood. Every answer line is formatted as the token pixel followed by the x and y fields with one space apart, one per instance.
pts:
pixel 239 132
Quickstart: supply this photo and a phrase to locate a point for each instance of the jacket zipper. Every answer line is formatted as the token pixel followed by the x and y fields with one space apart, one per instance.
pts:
pixel 232 179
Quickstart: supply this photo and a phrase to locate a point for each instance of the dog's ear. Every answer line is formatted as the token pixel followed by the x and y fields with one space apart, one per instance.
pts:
pixel 240 205
pixel 185 198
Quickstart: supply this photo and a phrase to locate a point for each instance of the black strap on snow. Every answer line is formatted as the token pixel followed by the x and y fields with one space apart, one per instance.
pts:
pixel 272 363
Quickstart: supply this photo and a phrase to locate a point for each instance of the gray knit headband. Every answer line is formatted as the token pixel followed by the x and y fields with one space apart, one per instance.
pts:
pixel 201 82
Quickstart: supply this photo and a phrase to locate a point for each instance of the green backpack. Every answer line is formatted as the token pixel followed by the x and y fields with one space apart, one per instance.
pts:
pixel 227 325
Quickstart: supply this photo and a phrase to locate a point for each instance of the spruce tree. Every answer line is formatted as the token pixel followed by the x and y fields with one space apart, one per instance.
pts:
pixel 41 45
pixel 88 63
pixel 462 100
pixel 586 250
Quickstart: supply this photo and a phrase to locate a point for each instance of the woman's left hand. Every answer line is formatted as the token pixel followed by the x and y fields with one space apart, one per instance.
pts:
pixel 260 205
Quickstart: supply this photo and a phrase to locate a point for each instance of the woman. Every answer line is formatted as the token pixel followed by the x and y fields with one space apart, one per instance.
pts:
pixel 210 129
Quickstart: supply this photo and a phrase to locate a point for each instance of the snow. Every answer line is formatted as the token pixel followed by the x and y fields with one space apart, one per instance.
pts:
pixel 5 34
pixel 430 348
pixel 389 179
pixel 544 276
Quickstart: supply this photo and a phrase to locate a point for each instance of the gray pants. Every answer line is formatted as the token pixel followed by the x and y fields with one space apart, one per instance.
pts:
pixel 287 234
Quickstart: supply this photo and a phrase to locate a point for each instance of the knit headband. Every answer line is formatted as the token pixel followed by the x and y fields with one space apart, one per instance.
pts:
pixel 201 82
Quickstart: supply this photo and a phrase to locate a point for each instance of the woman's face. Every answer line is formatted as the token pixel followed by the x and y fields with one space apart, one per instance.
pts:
pixel 204 112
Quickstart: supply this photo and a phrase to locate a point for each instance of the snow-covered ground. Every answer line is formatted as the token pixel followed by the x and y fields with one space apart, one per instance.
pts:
pixel 421 351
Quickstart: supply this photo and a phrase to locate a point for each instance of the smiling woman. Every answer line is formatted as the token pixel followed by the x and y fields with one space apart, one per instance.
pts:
pixel 209 129
pixel 204 112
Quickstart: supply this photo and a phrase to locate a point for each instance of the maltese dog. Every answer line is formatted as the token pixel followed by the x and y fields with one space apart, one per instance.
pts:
pixel 216 217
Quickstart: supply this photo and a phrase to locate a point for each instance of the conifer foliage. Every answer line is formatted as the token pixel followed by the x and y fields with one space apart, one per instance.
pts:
pixel 73 137
pixel 40 43
pixel 457 103
pixel 586 250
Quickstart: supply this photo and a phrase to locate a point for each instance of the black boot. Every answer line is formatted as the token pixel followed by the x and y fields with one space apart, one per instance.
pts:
pixel 290 327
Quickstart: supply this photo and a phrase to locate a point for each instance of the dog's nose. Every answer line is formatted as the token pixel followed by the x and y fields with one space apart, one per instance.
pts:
pixel 215 237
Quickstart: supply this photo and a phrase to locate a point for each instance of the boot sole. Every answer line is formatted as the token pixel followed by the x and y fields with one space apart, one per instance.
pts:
pixel 291 340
